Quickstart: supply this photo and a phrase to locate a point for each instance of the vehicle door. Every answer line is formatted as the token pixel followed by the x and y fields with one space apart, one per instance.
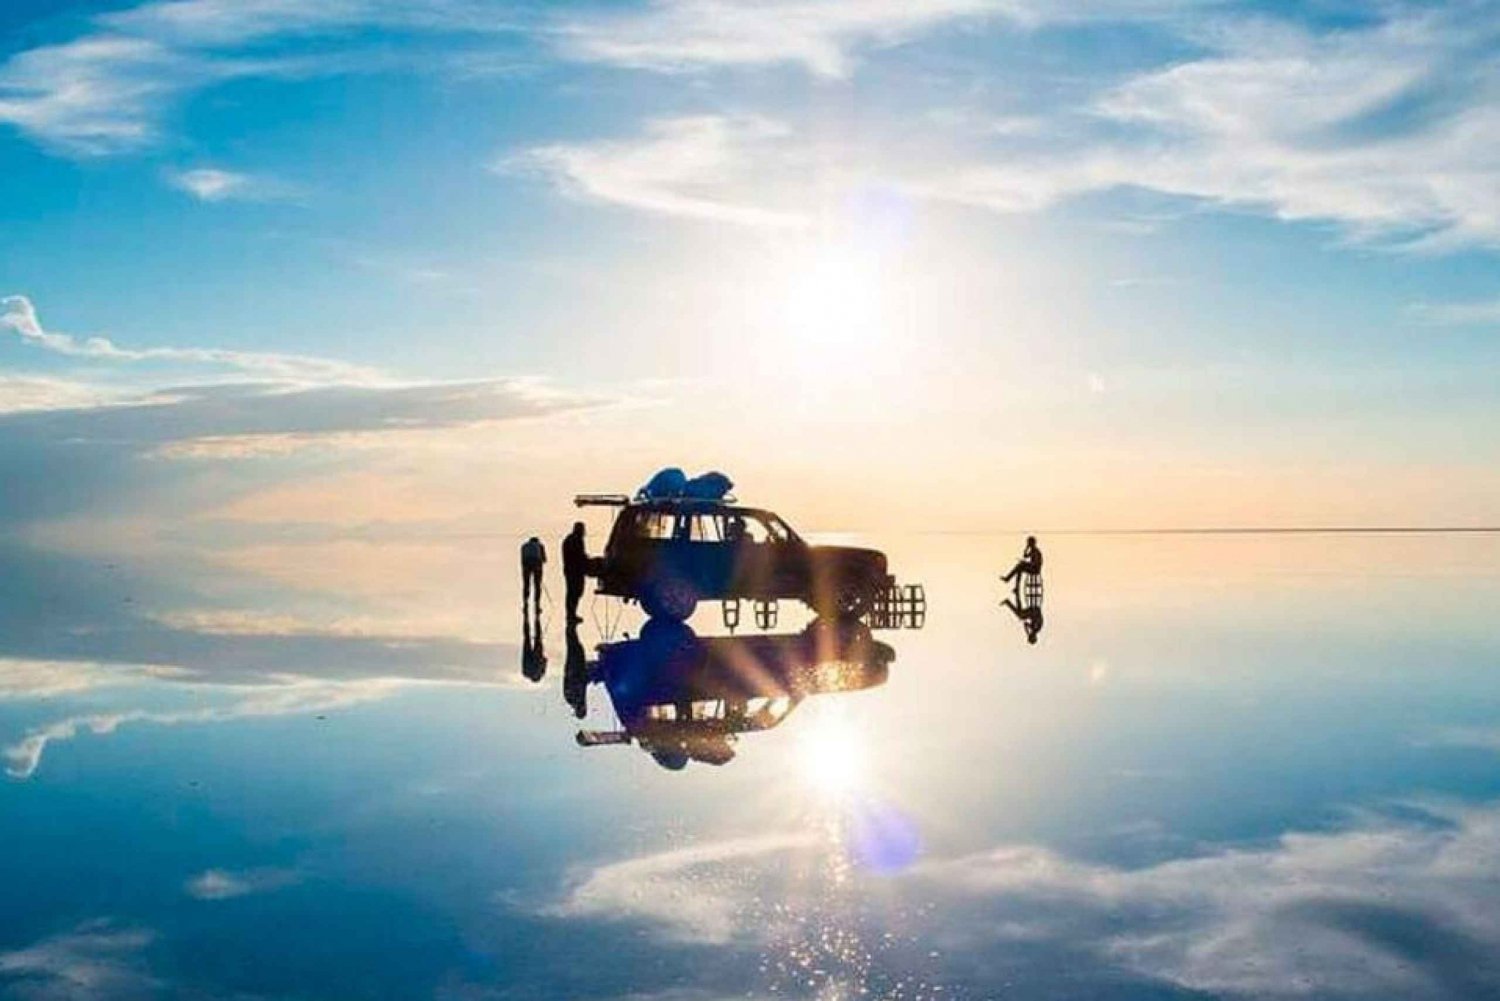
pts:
pixel 764 563
pixel 710 554
pixel 644 546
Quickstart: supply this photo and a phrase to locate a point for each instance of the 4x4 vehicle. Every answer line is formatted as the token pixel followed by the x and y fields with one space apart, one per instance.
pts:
pixel 669 554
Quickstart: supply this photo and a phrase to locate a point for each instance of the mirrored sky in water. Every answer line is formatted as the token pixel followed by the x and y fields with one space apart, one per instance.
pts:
pixel 1256 766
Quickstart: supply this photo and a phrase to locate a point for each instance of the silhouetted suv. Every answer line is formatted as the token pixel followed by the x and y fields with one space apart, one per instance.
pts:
pixel 671 553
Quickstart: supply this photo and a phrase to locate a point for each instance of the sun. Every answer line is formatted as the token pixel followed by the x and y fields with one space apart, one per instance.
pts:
pixel 831 303
pixel 833 758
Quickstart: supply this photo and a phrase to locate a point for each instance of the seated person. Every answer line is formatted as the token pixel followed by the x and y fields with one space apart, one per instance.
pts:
pixel 1029 563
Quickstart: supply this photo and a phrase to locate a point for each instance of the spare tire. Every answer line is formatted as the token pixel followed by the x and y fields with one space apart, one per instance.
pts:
pixel 670 598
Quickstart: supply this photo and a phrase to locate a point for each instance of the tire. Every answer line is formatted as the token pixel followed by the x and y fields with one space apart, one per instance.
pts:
pixel 673 599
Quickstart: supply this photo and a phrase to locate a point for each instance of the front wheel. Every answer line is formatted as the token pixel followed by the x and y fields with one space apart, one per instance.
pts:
pixel 673 599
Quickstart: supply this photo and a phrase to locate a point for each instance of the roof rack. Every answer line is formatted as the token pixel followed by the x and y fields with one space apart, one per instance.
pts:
pixel 622 500
pixel 600 500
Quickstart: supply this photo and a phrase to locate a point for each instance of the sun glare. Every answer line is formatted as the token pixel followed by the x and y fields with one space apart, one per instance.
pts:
pixel 833 758
pixel 832 303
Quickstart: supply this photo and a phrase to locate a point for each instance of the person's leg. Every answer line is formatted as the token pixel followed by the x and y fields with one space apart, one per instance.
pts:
pixel 575 592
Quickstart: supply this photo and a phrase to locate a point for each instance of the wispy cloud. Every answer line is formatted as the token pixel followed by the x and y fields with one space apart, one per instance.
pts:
pixel 225 884
pixel 1388 131
pixel 705 167
pixel 1392 906
pixel 820 35
pixel 28 392
pixel 212 184
pixel 667 888
pixel 106 90
pixel 97 959
pixel 19 316
pixel 99 94
pixel 22 678
pixel 25 755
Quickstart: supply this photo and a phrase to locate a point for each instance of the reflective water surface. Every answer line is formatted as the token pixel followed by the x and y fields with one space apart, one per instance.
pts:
pixel 1256 766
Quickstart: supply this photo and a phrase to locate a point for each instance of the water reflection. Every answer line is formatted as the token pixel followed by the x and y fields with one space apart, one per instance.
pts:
pixel 1318 814
pixel 1025 579
pixel 1025 603
pixel 681 697
pixel 533 648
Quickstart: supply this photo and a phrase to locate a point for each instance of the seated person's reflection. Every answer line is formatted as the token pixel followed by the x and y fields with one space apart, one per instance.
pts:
pixel 1030 617
pixel 682 698
pixel 533 654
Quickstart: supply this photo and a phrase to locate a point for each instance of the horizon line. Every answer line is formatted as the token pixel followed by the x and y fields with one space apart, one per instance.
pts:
pixel 1248 530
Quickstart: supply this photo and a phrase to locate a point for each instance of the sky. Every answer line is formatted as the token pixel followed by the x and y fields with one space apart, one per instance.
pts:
pixel 282 273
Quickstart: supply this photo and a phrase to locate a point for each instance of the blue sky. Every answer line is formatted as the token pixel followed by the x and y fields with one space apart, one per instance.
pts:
pixel 1238 243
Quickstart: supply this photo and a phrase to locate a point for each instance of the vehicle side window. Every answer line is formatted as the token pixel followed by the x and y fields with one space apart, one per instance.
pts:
pixel 757 529
pixel 652 525
pixel 707 528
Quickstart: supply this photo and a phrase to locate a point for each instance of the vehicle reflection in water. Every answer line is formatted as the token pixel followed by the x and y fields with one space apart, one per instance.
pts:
pixel 684 698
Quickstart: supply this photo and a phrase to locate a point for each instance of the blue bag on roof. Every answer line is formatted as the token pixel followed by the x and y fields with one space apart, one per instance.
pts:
pixel 670 482
pixel 710 486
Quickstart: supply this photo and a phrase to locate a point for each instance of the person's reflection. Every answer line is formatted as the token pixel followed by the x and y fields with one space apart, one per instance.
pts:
pixel 1030 617
pixel 533 654
pixel 576 675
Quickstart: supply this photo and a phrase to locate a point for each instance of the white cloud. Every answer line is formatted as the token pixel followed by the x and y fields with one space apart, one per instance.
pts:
pixel 105 91
pixel 24 392
pixel 95 960
pixel 288 697
pixel 818 34
pixel 1386 909
pixel 688 893
pixel 22 678
pixel 1392 132
pixel 1389 131
pixel 98 94
pixel 19 315
pixel 1392 906
pixel 211 184
pixel 704 167
pixel 223 884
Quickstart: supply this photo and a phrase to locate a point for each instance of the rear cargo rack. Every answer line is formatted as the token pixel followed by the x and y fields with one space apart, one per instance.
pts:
pixel 899 606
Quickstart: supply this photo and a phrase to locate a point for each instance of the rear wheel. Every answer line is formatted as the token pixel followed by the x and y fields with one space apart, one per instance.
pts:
pixel 672 598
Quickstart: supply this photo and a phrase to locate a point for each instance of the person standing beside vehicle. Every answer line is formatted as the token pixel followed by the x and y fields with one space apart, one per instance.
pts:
pixel 575 569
